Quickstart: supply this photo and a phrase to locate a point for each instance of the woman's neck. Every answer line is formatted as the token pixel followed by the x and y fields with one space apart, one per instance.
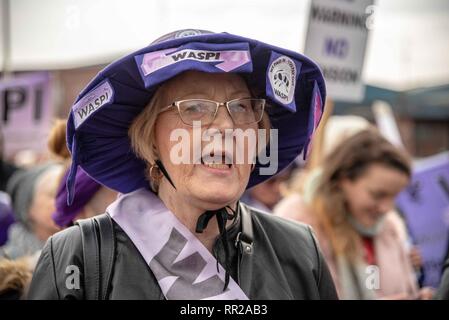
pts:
pixel 188 213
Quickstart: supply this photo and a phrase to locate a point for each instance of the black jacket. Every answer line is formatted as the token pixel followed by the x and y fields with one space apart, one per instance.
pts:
pixel 284 262
pixel 443 290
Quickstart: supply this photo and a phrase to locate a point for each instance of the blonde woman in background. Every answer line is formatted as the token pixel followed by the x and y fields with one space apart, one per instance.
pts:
pixel 349 200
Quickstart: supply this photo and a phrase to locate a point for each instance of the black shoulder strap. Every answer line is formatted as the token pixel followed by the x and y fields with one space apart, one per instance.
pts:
pixel 98 239
pixel 244 243
pixel 107 252
pixel 91 259
pixel 246 236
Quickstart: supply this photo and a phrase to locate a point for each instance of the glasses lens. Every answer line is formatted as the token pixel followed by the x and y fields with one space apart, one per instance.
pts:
pixel 197 110
pixel 246 111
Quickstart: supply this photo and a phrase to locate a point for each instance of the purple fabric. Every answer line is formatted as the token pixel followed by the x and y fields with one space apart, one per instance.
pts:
pixel 6 220
pixel 316 108
pixel 85 188
pixel 100 144
pixel 425 205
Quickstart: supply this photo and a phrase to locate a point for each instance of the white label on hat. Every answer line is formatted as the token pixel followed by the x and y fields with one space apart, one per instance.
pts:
pixel 282 75
pixel 91 102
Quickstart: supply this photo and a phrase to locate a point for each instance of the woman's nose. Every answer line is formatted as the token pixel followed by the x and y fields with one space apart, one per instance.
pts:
pixel 223 119
pixel 386 205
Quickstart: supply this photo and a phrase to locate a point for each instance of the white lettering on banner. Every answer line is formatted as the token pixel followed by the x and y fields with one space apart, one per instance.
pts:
pixel 91 102
pixel 282 75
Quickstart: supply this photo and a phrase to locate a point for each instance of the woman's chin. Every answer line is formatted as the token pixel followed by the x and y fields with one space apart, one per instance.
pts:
pixel 215 191
pixel 215 198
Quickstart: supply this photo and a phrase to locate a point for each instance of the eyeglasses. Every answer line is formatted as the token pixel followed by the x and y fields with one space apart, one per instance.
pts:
pixel 242 111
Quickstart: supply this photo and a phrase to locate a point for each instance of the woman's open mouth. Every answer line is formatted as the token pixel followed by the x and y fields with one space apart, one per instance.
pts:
pixel 217 163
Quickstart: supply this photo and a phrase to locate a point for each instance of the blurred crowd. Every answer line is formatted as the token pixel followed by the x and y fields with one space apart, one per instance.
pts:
pixel 345 190
pixel 33 206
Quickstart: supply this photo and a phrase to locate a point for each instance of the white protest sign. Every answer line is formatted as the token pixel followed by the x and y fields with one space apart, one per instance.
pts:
pixel 386 122
pixel 336 40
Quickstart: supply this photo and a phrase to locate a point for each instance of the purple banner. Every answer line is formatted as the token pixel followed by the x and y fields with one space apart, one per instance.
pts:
pixel 425 205
pixel 25 112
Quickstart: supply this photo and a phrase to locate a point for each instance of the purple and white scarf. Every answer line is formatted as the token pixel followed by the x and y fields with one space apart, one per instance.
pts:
pixel 182 265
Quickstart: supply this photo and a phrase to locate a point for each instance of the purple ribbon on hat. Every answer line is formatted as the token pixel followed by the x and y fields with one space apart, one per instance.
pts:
pixel 85 189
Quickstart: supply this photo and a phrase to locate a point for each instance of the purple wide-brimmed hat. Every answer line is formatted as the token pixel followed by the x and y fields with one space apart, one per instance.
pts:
pixel 97 129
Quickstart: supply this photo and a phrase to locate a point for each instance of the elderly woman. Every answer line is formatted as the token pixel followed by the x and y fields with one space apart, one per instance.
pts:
pixel 32 193
pixel 178 231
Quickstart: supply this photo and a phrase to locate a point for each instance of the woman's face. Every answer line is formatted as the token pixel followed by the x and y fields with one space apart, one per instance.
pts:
pixel 372 195
pixel 203 184
pixel 43 204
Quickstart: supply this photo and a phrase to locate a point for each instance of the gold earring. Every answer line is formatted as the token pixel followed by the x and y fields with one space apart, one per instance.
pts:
pixel 155 172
